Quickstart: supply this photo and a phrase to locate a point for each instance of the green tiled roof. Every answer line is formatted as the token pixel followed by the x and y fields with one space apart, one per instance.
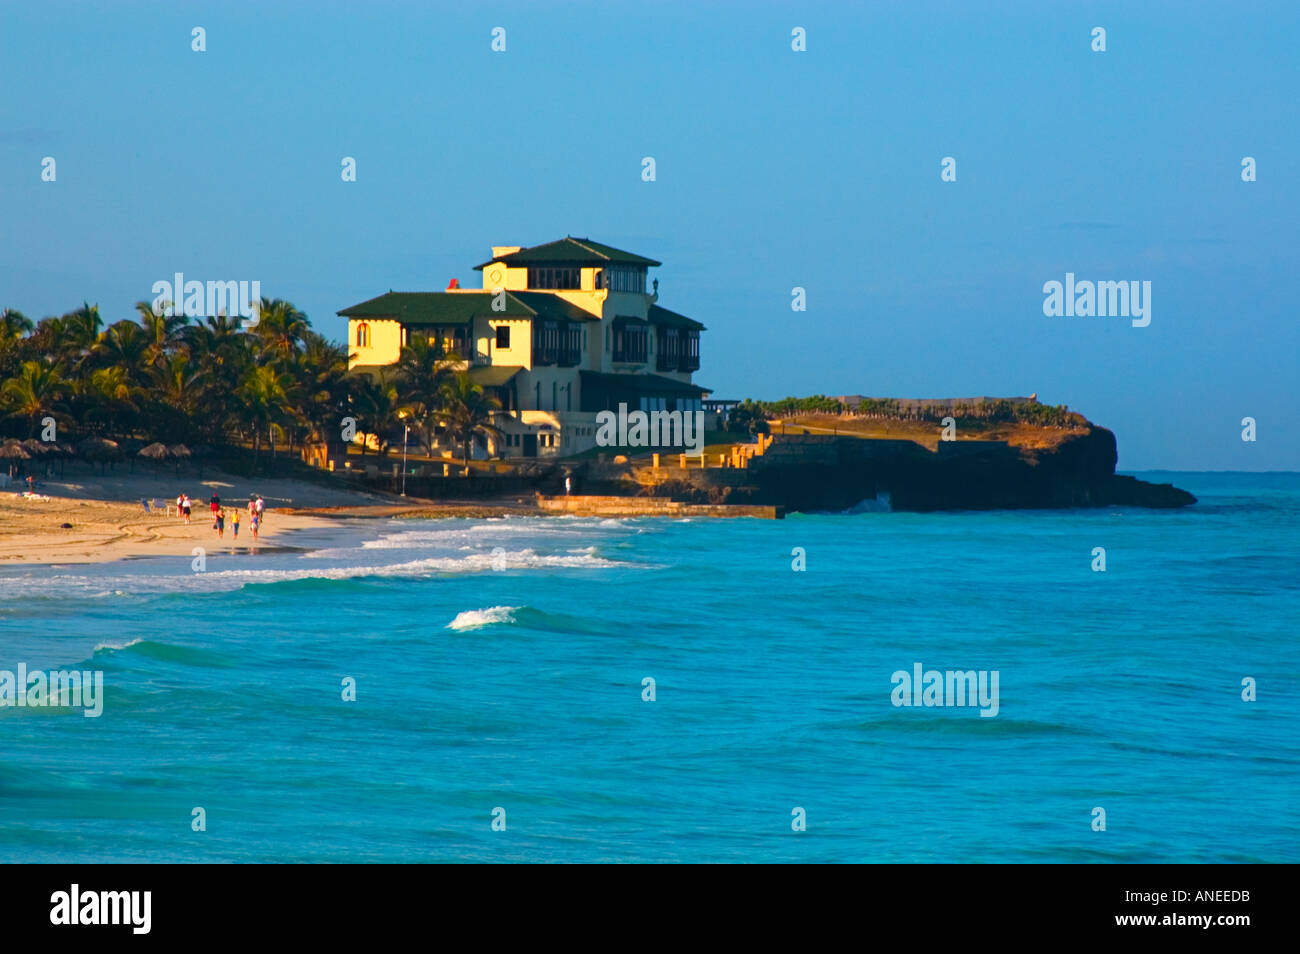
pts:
pixel 649 384
pixel 662 316
pixel 434 308
pixel 546 305
pixel 460 308
pixel 494 376
pixel 571 251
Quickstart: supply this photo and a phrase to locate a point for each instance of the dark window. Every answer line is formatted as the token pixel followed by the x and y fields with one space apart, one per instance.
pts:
pixel 625 279
pixel 503 336
pixel 557 278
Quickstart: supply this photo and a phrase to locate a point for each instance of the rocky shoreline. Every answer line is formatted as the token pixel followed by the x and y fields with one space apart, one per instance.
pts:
pixel 832 473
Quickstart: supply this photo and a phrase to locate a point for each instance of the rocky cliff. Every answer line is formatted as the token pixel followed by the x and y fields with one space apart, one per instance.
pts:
pixel 823 472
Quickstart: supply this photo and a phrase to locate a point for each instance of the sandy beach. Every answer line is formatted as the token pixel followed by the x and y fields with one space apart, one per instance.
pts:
pixel 107 521
pixel 93 518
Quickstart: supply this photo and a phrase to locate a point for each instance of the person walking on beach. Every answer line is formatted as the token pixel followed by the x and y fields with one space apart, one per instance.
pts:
pixel 568 486
pixel 234 522
pixel 261 509
pixel 221 523
pixel 215 502
pixel 180 499
pixel 185 507
pixel 254 523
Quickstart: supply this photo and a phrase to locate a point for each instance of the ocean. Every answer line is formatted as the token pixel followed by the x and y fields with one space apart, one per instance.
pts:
pixel 499 670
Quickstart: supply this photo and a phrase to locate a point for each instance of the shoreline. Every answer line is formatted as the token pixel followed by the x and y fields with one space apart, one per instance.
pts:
pixel 92 518
pixel 32 532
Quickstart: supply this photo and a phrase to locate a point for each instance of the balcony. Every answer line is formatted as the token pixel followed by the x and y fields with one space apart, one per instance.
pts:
pixel 678 352
pixel 558 346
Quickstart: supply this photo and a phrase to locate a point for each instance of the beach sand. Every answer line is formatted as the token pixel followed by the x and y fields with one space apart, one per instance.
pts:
pixel 109 523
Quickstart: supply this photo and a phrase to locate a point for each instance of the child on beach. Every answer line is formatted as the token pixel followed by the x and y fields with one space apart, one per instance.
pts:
pixel 254 522
pixel 234 522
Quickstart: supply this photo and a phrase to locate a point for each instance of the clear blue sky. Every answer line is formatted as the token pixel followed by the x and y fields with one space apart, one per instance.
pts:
pixel 775 169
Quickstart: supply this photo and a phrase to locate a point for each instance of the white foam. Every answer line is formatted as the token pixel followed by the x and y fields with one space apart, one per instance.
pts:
pixel 129 642
pixel 476 619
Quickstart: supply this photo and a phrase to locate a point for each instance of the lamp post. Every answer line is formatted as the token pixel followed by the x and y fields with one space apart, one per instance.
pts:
pixel 406 430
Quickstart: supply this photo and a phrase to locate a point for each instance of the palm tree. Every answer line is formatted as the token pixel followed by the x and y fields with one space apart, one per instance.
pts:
pixel 124 345
pixel 280 329
pixel 467 411
pixel 219 355
pixel 321 371
pixel 263 394
pixel 176 389
pixel 112 394
pixel 423 371
pixel 81 331
pixel 377 406
pixel 163 332
pixel 13 326
pixel 34 394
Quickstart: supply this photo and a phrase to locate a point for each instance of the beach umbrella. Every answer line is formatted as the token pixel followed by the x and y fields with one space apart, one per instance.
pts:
pixel 179 450
pixel 37 448
pixel 155 451
pixel 100 449
pixel 12 451
pixel 62 452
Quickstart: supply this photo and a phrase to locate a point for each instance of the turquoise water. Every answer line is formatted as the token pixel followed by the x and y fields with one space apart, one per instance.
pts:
pixel 521 688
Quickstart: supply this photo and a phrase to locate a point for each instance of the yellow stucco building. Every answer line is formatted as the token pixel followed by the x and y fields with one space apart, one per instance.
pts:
pixel 558 333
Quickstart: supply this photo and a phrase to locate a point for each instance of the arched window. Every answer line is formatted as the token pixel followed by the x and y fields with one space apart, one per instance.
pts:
pixel 363 335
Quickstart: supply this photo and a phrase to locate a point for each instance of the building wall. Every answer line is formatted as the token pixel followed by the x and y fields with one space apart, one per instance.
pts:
pixel 543 389
pixel 520 351
pixel 385 342
pixel 560 434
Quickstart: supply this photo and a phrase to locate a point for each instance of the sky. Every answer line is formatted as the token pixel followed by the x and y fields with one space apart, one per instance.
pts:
pixel 774 169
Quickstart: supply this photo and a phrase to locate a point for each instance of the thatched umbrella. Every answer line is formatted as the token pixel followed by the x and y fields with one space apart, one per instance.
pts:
pixel 13 451
pixel 39 449
pixel 99 449
pixel 179 450
pixel 58 451
pixel 155 452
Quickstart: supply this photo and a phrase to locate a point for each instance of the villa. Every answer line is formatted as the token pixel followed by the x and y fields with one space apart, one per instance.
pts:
pixel 558 333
